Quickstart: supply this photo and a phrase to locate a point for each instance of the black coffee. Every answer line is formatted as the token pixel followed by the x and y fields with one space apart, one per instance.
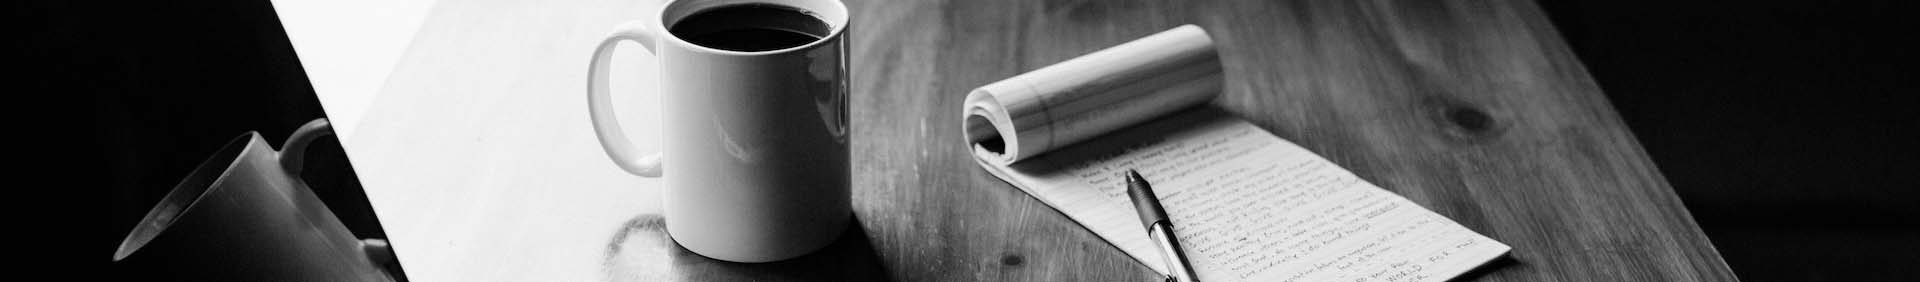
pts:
pixel 751 28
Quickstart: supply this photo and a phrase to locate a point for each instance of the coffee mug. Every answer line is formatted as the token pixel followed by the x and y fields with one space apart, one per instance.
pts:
pixel 754 99
pixel 245 215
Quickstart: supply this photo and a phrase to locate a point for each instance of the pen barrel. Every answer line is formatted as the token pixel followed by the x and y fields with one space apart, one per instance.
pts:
pixel 1144 201
pixel 1176 258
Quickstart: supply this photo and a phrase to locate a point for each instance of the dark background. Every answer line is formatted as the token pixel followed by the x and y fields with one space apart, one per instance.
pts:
pixel 1786 128
pixel 165 84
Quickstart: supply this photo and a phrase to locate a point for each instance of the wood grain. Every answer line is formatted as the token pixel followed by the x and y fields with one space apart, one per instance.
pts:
pixel 478 157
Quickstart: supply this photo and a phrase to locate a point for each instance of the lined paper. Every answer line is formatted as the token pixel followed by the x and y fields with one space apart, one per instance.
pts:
pixel 1249 206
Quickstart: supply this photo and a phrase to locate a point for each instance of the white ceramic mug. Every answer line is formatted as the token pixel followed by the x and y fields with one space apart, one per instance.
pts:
pixel 756 141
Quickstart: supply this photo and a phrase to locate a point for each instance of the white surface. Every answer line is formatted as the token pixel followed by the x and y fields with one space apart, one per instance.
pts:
pixel 348 47
pixel 478 155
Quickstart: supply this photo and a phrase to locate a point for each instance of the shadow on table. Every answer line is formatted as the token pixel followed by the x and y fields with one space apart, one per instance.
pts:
pixel 642 251
pixel 1503 262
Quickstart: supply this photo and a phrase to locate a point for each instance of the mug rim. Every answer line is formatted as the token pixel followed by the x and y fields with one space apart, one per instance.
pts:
pixel 839 25
pixel 231 153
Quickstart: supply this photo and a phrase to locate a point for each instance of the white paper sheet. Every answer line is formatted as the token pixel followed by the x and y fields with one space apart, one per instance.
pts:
pixel 1247 205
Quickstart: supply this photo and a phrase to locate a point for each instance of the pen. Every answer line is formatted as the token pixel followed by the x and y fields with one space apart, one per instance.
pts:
pixel 1159 227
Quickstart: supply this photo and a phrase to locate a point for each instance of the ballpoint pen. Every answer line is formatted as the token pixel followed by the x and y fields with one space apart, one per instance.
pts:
pixel 1159 227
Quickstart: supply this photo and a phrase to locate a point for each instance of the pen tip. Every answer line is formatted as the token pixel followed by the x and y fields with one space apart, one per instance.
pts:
pixel 1132 177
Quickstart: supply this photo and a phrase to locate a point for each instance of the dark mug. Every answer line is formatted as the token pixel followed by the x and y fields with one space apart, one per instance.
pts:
pixel 245 215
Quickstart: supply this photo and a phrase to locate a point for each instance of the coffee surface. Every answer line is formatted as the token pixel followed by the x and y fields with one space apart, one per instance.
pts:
pixel 750 28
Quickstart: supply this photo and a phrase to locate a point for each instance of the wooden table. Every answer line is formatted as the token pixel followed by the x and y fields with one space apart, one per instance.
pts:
pixel 478 155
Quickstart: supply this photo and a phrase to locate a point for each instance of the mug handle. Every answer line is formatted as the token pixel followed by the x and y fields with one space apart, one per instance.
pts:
pixel 292 154
pixel 605 126
pixel 292 160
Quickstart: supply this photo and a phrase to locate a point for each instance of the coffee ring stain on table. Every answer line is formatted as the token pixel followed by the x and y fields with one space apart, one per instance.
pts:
pixel 640 251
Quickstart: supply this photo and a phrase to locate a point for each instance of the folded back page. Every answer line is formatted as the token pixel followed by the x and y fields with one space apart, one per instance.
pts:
pixel 1247 205
pixel 1038 111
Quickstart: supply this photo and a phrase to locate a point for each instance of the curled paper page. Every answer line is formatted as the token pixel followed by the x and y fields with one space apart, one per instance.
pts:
pixel 1072 101
pixel 1249 205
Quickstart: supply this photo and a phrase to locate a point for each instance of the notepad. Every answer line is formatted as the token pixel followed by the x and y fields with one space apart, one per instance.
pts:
pixel 1247 205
